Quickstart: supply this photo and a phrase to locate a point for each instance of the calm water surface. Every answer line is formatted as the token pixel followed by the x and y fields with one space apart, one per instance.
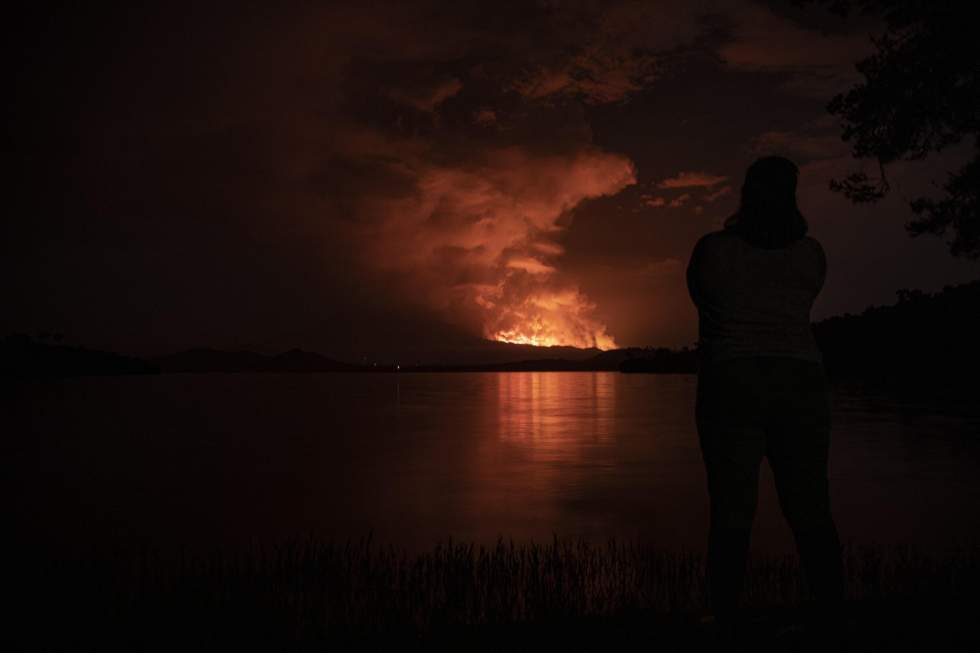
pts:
pixel 226 459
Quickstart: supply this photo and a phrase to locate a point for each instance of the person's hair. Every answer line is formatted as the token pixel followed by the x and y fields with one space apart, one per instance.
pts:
pixel 768 216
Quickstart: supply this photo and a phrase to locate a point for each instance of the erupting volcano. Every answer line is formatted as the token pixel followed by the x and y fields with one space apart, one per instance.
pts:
pixel 551 319
pixel 481 242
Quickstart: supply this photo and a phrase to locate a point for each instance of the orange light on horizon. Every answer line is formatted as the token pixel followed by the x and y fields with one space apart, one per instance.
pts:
pixel 516 338
pixel 600 341
pixel 554 328
pixel 547 318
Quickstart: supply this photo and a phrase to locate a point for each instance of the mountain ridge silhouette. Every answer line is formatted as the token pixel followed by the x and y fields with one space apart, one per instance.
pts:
pixel 923 336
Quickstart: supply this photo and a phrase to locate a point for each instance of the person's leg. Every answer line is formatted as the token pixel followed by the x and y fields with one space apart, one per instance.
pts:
pixel 798 447
pixel 732 446
pixel 732 456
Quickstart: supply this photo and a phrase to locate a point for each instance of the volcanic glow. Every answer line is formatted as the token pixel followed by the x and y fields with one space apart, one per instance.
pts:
pixel 550 319
pixel 541 336
pixel 480 242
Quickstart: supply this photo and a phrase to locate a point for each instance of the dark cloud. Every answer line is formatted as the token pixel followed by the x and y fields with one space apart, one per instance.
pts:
pixel 687 179
pixel 799 144
pixel 403 179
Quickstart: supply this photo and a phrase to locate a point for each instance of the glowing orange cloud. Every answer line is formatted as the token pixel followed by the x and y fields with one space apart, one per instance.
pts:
pixel 479 242
pixel 692 180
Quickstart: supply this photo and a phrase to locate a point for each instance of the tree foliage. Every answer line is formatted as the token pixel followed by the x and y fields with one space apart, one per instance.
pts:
pixel 920 95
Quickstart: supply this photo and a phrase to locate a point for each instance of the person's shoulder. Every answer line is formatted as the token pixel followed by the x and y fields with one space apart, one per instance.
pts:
pixel 716 241
pixel 718 238
pixel 712 248
pixel 813 245
pixel 810 241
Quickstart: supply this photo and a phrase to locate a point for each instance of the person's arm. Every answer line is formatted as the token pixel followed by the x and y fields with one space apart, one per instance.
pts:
pixel 693 272
pixel 821 267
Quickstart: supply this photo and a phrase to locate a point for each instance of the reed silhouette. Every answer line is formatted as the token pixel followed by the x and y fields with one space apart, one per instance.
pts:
pixel 360 594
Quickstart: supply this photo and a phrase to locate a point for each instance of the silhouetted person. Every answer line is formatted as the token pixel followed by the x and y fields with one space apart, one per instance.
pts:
pixel 762 388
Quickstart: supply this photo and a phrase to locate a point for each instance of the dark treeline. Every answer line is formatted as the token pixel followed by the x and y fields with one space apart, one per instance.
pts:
pixel 661 360
pixel 924 339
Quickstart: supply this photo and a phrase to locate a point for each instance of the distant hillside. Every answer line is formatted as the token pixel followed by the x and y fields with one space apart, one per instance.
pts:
pixel 661 360
pixel 20 356
pixel 213 360
pixel 604 360
pixel 924 338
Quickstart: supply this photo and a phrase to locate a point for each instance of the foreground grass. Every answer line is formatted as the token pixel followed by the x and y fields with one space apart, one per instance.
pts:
pixel 314 595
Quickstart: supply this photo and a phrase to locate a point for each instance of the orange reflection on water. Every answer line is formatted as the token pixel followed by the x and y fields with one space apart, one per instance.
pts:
pixel 556 416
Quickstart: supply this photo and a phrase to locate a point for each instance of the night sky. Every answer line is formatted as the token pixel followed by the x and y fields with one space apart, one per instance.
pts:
pixel 398 180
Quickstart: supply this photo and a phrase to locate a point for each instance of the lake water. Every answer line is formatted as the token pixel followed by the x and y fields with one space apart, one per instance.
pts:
pixel 225 459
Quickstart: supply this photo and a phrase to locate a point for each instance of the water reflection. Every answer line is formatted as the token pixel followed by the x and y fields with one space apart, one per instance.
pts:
pixel 220 459
pixel 557 417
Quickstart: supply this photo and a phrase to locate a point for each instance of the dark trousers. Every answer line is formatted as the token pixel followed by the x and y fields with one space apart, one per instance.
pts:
pixel 776 407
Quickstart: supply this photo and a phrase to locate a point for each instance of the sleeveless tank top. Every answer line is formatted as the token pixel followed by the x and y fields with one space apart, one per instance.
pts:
pixel 753 301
